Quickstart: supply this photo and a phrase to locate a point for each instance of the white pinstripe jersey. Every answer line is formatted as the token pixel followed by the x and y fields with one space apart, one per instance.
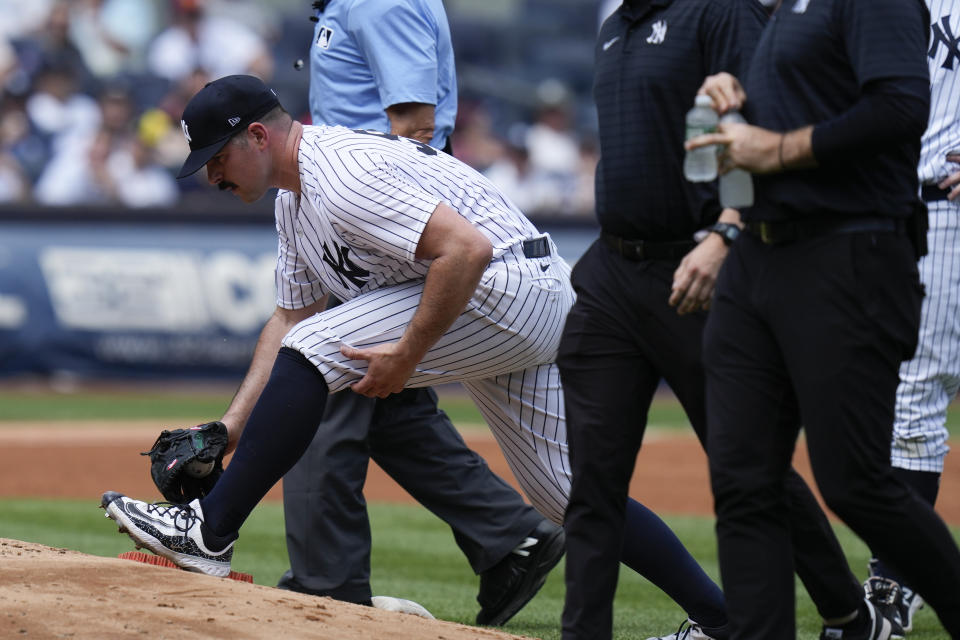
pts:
pixel 929 381
pixel 364 201
pixel 943 128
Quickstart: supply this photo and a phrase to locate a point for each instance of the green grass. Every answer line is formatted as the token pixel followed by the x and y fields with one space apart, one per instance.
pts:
pixel 187 406
pixel 414 556
pixel 195 406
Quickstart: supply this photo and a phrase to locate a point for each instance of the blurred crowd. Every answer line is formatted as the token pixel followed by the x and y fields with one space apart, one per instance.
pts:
pixel 92 92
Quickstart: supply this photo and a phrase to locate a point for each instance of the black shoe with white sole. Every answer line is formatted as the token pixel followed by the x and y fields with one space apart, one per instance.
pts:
pixel 870 624
pixel 907 603
pixel 512 582
pixel 885 595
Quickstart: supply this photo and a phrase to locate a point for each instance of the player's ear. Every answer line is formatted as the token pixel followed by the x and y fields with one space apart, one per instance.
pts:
pixel 259 134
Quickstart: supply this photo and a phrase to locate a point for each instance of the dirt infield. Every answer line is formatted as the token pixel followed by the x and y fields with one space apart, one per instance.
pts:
pixel 89 458
pixel 56 593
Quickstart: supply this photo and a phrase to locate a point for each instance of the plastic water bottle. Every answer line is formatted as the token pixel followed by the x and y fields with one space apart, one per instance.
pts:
pixel 736 186
pixel 700 165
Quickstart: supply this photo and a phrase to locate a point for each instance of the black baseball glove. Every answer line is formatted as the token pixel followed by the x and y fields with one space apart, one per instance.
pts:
pixel 186 463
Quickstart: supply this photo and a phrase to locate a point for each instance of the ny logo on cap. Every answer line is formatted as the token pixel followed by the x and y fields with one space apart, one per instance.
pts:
pixel 186 131
pixel 233 121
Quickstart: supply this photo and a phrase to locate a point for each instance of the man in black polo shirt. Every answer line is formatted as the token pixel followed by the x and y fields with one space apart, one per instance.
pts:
pixel 819 302
pixel 623 336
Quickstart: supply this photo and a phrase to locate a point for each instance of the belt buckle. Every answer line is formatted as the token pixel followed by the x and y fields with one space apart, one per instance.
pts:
pixel 766 232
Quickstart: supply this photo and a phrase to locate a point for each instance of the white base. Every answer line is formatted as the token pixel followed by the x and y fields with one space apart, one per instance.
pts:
pixel 388 603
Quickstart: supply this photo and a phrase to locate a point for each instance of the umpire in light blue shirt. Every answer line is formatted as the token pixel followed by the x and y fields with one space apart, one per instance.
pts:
pixel 383 65
pixel 387 65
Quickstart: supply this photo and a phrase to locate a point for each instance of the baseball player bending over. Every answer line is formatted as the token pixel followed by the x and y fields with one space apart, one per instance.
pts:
pixel 389 65
pixel 443 280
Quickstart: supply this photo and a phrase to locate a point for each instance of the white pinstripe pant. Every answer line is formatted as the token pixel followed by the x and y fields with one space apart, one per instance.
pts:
pixel 930 380
pixel 502 348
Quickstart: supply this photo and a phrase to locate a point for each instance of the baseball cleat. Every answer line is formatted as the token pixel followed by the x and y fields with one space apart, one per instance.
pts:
pixel 886 596
pixel 876 628
pixel 174 531
pixel 688 630
pixel 908 602
pixel 513 581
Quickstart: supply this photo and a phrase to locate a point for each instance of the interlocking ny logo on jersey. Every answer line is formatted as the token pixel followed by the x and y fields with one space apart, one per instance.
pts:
pixel 344 267
pixel 324 34
pixel 659 32
pixel 943 34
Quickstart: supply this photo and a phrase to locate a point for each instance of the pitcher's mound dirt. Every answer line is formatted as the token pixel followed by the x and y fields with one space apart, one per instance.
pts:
pixel 57 593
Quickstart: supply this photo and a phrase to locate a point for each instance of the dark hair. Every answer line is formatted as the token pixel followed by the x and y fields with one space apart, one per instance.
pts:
pixel 277 114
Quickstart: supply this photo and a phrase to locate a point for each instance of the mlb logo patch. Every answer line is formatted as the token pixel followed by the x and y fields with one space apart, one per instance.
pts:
pixel 324 35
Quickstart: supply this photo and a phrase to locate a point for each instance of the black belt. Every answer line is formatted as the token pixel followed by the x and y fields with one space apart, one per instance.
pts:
pixel 794 230
pixel 932 193
pixel 536 248
pixel 644 250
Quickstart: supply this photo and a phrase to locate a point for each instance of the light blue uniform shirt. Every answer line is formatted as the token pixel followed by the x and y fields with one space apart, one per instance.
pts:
pixel 370 54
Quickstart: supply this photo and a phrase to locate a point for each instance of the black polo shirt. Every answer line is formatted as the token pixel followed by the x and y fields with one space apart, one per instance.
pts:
pixel 812 62
pixel 651 57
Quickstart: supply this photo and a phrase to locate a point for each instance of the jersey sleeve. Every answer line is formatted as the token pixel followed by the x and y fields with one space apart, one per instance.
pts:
pixel 885 38
pixel 297 285
pixel 400 45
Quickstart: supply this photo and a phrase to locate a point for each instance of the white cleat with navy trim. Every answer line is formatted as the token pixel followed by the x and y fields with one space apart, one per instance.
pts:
pixel 174 531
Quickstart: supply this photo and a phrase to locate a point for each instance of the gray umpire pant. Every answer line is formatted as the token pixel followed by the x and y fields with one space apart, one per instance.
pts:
pixel 328 531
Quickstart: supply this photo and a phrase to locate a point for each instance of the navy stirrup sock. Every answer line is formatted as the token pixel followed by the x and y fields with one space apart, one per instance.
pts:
pixel 651 549
pixel 280 428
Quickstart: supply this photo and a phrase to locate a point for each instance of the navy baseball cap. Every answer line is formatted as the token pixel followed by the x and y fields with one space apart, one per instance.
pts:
pixel 221 109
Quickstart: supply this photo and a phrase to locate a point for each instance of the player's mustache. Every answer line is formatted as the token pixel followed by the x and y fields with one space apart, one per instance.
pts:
pixel 224 185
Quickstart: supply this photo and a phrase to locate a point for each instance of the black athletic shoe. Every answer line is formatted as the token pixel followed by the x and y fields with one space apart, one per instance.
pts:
pixel 885 595
pixel 513 581
pixel 690 630
pixel 875 627
pixel 907 604
pixel 910 603
pixel 356 596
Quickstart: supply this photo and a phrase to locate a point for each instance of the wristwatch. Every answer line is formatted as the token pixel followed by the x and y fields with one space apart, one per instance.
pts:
pixel 726 230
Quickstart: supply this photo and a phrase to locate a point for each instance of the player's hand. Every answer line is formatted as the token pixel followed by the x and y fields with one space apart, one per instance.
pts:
pixel 388 370
pixel 694 279
pixel 743 145
pixel 725 90
pixel 953 180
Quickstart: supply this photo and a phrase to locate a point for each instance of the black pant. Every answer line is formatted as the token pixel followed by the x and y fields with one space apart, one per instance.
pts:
pixel 826 321
pixel 328 532
pixel 621 338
